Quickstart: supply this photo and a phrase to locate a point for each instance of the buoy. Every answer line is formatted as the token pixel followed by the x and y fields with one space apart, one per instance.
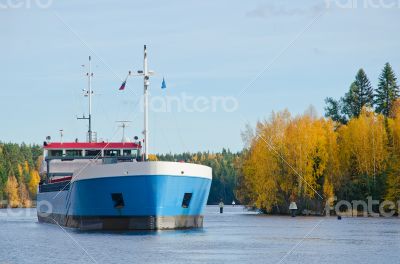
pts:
pixel 221 207
pixel 293 209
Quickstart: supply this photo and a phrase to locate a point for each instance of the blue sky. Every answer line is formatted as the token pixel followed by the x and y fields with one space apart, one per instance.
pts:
pixel 202 48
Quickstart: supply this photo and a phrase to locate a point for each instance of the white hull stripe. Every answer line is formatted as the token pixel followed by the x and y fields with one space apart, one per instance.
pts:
pixel 141 169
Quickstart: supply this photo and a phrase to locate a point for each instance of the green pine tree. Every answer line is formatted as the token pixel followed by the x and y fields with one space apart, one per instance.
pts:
pixel 387 91
pixel 334 109
pixel 360 94
pixel 350 102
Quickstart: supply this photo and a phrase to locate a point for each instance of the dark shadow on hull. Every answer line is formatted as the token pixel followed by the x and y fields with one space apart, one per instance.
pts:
pixel 125 223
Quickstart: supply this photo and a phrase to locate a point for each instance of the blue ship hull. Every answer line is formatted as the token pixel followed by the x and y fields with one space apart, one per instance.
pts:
pixel 127 202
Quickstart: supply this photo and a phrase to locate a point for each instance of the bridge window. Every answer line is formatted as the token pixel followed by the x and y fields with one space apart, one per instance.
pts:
pixel 93 152
pixel 129 152
pixel 74 152
pixel 111 152
pixel 126 152
pixel 55 153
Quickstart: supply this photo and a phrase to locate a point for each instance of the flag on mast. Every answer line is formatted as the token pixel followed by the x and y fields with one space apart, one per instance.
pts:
pixel 163 84
pixel 124 83
pixel 122 86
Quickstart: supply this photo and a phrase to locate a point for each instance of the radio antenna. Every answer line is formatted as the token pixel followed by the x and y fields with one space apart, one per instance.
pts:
pixel 123 125
pixel 88 93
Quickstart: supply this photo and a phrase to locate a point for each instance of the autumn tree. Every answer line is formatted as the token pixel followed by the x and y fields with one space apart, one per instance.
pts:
pixel 11 190
pixel 24 195
pixel 363 154
pixel 394 128
pixel 262 169
pixel 291 155
pixel 332 174
pixel 21 162
pixel 393 180
pixel 33 182
pixel 393 173
pixel 152 157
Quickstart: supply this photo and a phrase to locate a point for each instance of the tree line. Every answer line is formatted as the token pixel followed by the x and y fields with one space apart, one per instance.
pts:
pixel 351 154
pixel 19 174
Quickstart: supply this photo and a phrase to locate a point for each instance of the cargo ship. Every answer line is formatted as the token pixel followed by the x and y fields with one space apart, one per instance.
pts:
pixel 100 185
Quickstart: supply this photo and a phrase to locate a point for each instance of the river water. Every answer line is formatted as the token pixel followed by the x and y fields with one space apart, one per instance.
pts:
pixel 237 236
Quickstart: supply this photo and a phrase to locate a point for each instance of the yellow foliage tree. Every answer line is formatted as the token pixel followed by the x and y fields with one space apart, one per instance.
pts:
pixel 39 163
pixel 363 144
pixel 152 157
pixel 20 171
pixel 394 128
pixel 306 152
pixel 33 182
pixel 307 156
pixel 11 190
pixel 332 172
pixel 24 195
pixel 261 174
pixel 26 167
pixel 291 156
pixel 393 181
pixel 393 178
pixel 328 191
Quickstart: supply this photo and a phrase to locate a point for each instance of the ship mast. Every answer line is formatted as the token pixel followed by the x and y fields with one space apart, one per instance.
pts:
pixel 146 73
pixel 89 93
pixel 146 80
pixel 90 75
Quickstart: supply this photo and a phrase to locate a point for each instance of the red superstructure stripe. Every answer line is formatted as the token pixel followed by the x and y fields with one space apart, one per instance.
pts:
pixel 93 145
pixel 68 178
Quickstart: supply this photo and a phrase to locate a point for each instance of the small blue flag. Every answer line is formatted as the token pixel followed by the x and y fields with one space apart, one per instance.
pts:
pixel 163 85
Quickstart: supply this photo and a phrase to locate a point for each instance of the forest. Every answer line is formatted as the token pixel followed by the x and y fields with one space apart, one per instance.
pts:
pixel 351 153
pixel 19 174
